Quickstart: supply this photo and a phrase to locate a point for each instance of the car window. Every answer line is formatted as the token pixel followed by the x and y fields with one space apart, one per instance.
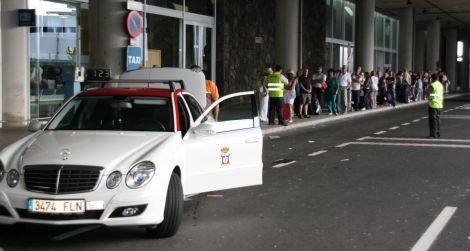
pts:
pixel 183 117
pixel 127 113
pixel 235 113
pixel 194 106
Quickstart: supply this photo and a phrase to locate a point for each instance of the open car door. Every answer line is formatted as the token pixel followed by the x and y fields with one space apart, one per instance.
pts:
pixel 225 152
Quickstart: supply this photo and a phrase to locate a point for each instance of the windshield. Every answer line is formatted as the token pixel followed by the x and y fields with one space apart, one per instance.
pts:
pixel 123 113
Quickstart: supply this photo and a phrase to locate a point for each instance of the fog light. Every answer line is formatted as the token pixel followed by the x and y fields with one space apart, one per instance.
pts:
pixel 13 177
pixel 131 211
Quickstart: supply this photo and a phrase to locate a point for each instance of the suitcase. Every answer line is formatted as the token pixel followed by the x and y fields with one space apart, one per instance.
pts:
pixel 285 111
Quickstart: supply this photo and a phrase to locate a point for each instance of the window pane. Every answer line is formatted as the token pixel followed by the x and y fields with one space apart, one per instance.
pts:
pixel 235 113
pixel 349 20
pixel 203 7
pixel 388 33
pixel 164 44
pixel 194 106
pixel 336 56
pixel 328 17
pixel 395 34
pixel 192 45
pixel 170 4
pixel 338 12
pixel 207 52
pixel 379 30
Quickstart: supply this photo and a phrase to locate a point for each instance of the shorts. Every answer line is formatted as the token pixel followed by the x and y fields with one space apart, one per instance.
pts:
pixel 306 98
pixel 289 98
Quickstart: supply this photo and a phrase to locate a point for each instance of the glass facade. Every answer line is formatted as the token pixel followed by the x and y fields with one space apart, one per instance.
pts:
pixel 56 50
pixel 339 33
pixel 179 33
pixel 340 27
pixel 386 42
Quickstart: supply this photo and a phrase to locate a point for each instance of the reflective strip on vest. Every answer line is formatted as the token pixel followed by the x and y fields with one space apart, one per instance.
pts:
pixel 436 98
pixel 275 86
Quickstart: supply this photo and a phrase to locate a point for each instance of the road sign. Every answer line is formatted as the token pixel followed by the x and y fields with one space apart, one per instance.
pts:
pixel 134 24
pixel 134 58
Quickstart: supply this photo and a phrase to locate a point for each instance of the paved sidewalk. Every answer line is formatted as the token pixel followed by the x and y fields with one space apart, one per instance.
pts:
pixel 324 117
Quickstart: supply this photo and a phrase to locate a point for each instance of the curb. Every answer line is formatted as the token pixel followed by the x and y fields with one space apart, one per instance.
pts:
pixel 267 130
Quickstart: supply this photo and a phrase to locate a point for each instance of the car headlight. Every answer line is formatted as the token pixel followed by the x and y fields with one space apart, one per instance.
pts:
pixel 13 178
pixel 140 174
pixel 114 179
pixel 2 171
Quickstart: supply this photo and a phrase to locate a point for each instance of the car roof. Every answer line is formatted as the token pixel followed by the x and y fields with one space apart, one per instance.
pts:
pixel 152 92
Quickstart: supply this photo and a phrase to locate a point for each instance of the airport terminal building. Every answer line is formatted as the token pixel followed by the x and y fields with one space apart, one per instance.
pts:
pixel 48 47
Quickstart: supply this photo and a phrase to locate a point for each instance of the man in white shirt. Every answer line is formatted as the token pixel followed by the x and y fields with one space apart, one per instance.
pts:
pixel 317 80
pixel 344 100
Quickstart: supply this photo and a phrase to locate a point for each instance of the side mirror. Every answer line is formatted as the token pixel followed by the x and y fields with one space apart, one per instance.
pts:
pixel 205 129
pixel 35 125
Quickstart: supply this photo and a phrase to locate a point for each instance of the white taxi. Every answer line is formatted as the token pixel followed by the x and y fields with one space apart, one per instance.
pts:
pixel 129 153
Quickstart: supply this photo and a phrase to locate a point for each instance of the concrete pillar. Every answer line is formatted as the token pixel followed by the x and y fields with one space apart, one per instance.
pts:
pixel 419 50
pixel 406 39
pixel 107 35
pixel 287 33
pixel 451 57
pixel 15 84
pixel 464 78
pixel 364 44
pixel 434 45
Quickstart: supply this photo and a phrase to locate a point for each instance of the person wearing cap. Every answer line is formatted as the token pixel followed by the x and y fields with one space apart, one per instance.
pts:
pixel 289 95
pixel 212 92
pixel 435 105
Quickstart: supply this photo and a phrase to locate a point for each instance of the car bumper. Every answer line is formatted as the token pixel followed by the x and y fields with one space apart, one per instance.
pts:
pixel 13 206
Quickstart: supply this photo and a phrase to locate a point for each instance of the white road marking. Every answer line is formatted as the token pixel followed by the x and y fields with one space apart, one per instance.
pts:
pixel 394 128
pixel 363 138
pixel 381 132
pixel 284 164
pixel 344 160
pixel 416 120
pixel 433 231
pixel 406 124
pixel 343 145
pixel 311 141
pixel 424 117
pixel 406 144
pixel 455 116
pixel 274 137
pixel 317 153
pixel 420 139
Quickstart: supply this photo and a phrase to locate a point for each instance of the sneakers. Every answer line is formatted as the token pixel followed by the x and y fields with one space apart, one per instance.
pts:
pixel 330 113
pixel 363 109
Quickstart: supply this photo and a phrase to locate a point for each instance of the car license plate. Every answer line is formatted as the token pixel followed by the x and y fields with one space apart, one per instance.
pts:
pixel 56 206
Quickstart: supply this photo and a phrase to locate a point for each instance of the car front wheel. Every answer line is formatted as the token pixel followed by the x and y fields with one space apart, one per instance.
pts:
pixel 173 210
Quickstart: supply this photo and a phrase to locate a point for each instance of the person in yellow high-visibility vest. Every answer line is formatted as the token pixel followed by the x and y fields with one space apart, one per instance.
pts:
pixel 275 86
pixel 435 105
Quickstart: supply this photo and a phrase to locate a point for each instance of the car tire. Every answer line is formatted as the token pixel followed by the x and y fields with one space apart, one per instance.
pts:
pixel 173 210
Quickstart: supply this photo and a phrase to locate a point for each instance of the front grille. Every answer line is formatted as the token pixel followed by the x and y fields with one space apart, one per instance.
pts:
pixel 88 215
pixel 55 179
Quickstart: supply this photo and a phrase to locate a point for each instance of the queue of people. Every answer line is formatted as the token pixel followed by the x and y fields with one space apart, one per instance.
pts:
pixel 302 95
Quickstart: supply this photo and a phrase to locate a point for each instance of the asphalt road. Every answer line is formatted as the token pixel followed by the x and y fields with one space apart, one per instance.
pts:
pixel 366 183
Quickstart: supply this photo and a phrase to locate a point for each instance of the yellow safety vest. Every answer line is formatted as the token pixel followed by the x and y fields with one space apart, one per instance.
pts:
pixel 275 85
pixel 436 97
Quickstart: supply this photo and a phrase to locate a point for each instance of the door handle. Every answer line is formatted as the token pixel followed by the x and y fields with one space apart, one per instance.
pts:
pixel 252 140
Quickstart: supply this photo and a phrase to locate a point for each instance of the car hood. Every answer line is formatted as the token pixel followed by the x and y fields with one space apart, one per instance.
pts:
pixel 103 149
